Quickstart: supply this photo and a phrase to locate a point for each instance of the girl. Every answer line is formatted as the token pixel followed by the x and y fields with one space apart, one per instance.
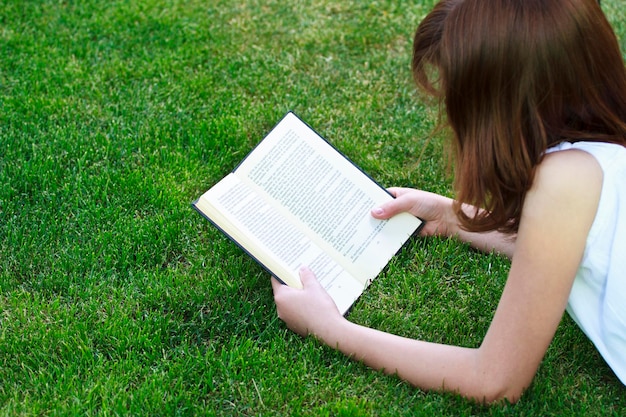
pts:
pixel 534 93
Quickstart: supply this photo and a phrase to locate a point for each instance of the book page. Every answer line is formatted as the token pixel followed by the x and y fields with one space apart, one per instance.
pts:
pixel 332 198
pixel 276 243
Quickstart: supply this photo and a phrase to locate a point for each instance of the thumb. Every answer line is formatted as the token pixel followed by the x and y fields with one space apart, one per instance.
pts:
pixel 307 277
pixel 389 209
pixel 403 201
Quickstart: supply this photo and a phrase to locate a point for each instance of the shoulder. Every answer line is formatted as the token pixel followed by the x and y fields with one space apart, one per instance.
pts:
pixel 571 171
pixel 566 189
pixel 570 161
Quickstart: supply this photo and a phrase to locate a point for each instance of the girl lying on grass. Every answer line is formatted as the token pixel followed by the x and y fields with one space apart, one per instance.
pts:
pixel 534 92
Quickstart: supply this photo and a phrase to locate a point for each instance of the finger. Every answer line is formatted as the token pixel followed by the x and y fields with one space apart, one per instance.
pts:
pixel 395 191
pixel 276 285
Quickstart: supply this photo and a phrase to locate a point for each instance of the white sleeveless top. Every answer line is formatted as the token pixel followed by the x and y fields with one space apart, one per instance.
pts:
pixel 598 298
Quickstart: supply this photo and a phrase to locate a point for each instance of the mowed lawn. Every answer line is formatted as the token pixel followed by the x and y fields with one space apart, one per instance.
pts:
pixel 116 298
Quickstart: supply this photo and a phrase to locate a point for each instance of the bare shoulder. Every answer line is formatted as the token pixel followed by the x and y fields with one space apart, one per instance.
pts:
pixel 565 194
pixel 569 179
pixel 567 169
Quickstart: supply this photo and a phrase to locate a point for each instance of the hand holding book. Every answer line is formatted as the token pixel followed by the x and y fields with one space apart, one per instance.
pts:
pixel 312 303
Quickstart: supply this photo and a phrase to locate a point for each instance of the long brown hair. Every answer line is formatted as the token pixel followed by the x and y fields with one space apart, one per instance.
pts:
pixel 516 77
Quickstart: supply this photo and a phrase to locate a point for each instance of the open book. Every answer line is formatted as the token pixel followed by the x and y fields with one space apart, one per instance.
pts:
pixel 296 200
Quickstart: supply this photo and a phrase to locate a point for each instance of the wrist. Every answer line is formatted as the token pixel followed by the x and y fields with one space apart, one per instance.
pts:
pixel 451 220
pixel 332 330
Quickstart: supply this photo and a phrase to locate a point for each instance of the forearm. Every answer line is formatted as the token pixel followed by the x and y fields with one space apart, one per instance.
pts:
pixel 489 242
pixel 428 366
pixel 493 241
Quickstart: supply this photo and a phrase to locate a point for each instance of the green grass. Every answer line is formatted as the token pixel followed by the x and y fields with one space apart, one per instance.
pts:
pixel 116 298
